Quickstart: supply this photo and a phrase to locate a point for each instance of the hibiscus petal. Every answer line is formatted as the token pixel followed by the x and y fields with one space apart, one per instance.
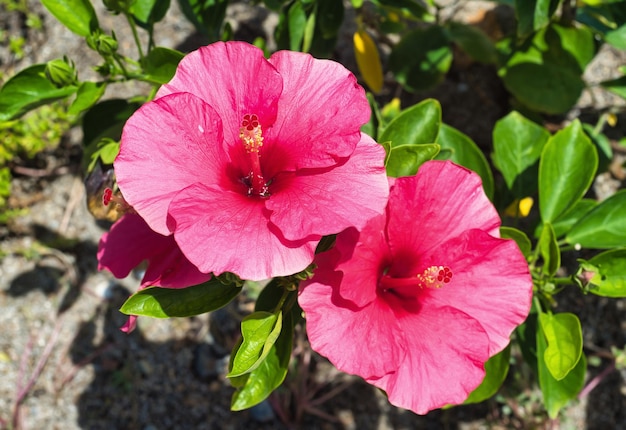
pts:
pixel 446 198
pixel 235 79
pixel 488 274
pixel 222 231
pixel 130 241
pixel 360 341
pixel 167 145
pixel 320 112
pixel 446 352
pixel 328 201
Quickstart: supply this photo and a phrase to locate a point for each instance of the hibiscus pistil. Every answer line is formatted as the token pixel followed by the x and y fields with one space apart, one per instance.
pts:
pixel 432 277
pixel 251 135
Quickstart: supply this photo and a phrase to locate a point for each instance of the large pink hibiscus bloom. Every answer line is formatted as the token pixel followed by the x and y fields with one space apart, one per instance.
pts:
pixel 419 299
pixel 130 241
pixel 248 161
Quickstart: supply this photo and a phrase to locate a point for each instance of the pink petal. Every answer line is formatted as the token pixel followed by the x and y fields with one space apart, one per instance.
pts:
pixel 446 352
pixel 320 111
pixel 444 200
pixel 327 201
pixel 235 79
pixel 360 341
pixel 130 241
pixel 223 231
pixel 167 145
pixel 490 282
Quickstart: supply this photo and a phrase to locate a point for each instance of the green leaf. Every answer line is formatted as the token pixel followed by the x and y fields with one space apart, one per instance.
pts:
pixel 260 331
pixel 617 37
pixel 418 124
pixel 462 150
pixel 405 160
pixel 106 119
pixel 206 15
pixel 77 15
pixel 549 250
pixel 602 227
pixel 533 15
pixel 160 302
pixel 523 242
pixel 254 387
pixel 106 152
pixel 517 145
pixel 545 73
pixel 27 90
pixel 496 369
pixel 160 64
pixel 564 338
pixel 617 86
pixel 473 42
pixel 557 393
pixel 297 24
pixel 147 12
pixel 87 95
pixel 565 221
pixel 609 277
pixel 422 58
pixel 566 169
pixel 416 9
pixel 309 32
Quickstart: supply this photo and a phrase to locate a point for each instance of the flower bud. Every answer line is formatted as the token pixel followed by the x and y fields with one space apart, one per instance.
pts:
pixel 61 72
pixel 103 44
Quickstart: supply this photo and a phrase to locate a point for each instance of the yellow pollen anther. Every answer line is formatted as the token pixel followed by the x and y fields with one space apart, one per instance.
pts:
pixel 250 133
pixel 435 277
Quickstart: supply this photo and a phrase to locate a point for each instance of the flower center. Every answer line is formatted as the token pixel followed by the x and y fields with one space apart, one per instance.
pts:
pixel 117 199
pixel 251 136
pixel 432 277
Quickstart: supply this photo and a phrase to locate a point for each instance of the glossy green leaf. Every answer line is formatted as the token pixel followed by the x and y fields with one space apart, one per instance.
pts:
pixel 564 338
pixel 533 15
pixel 27 90
pixel 206 15
pixel 523 242
pixel 309 32
pixel 545 73
pixel 565 221
pixel 297 24
pixel 473 42
pixel 254 387
pixel 160 302
pixel 517 145
pixel 617 86
pixel 106 119
pixel 77 15
pixel 566 169
pixel 609 276
pixel 160 64
pixel 148 12
pixel 107 150
pixel 617 37
pixel 87 95
pixel 422 58
pixel 496 369
pixel 462 150
pixel 405 160
pixel 602 227
pixel 259 331
pixel 557 393
pixel 418 124
pixel 549 250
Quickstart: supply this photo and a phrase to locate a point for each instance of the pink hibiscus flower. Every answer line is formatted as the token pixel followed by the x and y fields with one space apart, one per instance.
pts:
pixel 249 162
pixel 130 241
pixel 419 299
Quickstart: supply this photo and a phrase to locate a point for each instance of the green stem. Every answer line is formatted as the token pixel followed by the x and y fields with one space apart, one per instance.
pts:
pixel 563 281
pixel 133 28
